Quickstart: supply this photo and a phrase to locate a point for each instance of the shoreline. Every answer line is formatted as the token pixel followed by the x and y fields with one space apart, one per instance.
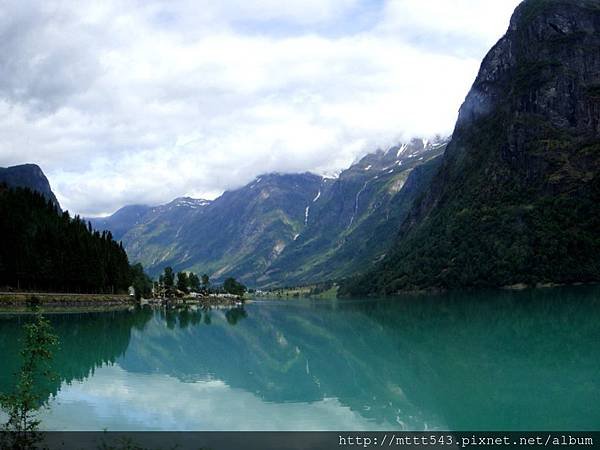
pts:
pixel 191 301
pixel 67 302
pixel 60 299
pixel 518 287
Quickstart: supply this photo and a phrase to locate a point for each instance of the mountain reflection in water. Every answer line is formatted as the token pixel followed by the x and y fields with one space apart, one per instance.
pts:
pixel 485 360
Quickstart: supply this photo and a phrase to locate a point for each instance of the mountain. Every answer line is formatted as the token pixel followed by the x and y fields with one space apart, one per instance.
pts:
pixel 284 228
pixel 353 220
pixel 28 176
pixel 121 221
pixel 517 197
pixel 241 231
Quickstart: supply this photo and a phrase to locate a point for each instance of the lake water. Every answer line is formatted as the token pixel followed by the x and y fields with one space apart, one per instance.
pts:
pixel 488 360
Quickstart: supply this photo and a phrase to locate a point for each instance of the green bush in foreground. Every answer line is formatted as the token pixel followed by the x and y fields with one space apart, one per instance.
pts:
pixel 21 406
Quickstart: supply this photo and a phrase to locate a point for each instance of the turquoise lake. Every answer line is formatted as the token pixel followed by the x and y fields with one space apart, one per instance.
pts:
pixel 466 361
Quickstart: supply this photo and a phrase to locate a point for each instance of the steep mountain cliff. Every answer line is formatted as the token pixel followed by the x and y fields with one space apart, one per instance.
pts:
pixel 28 176
pixel 284 229
pixel 517 198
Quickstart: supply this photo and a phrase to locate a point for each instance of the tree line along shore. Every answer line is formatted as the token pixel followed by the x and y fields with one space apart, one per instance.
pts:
pixel 48 258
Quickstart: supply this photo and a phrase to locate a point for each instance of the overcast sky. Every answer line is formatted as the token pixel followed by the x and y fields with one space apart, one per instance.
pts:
pixel 142 101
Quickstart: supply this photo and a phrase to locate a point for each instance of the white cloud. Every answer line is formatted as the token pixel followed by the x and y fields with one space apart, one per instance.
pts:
pixel 461 23
pixel 112 399
pixel 140 102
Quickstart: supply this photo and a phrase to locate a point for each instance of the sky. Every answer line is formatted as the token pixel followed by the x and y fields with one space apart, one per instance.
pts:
pixel 142 101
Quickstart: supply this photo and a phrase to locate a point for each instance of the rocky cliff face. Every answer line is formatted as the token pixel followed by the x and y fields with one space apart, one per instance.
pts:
pixel 28 176
pixel 516 199
pixel 545 65
pixel 539 86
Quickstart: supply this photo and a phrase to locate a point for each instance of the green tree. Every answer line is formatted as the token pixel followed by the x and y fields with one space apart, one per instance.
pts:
pixel 43 249
pixel 182 281
pixel 232 286
pixel 193 282
pixel 21 406
pixel 141 282
pixel 205 281
pixel 169 277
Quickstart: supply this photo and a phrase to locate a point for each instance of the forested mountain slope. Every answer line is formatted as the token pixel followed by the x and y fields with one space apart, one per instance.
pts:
pixel 45 249
pixel 517 197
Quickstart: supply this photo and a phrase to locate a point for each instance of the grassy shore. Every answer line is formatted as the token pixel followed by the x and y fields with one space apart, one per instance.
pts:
pixel 49 301
pixel 299 292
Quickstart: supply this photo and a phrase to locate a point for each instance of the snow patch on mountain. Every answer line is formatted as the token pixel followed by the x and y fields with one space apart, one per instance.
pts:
pixel 401 150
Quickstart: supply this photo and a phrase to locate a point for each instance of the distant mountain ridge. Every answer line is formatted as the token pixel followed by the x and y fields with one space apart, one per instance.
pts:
pixel 284 228
pixel 28 176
